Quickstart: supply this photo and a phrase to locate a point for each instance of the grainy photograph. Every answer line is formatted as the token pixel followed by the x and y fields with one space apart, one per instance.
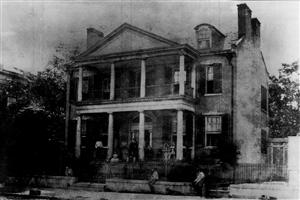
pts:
pixel 159 99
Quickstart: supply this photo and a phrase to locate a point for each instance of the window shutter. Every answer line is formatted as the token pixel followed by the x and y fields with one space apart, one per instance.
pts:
pixel 263 141
pixel 263 98
pixel 218 78
pixel 225 128
pixel 200 133
pixel 202 79
pixel 73 88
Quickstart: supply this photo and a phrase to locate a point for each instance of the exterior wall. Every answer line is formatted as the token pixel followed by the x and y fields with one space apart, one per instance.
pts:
pixel 251 74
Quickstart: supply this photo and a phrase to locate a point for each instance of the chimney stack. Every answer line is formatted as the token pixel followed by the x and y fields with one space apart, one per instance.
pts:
pixel 255 32
pixel 244 21
pixel 93 36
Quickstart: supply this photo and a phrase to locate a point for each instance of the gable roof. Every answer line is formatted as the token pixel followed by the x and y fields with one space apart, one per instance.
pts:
pixel 119 30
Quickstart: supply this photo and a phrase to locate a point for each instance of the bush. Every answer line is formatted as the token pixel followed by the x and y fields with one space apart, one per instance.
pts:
pixel 181 172
pixel 228 152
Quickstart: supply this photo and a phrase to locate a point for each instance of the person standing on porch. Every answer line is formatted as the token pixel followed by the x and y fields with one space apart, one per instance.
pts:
pixel 100 153
pixel 133 150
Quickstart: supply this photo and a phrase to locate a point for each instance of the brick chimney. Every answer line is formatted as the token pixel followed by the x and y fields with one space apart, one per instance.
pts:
pixel 93 36
pixel 244 21
pixel 255 32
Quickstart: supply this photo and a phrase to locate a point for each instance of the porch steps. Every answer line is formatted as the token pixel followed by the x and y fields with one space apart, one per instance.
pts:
pixel 98 187
pixel 219 192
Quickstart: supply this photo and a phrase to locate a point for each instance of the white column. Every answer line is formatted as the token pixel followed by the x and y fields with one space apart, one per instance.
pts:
pixel 193 83
pixel 78 137
pixel 110 138
pixel 112 81
pixel 181 75
pixel 193 138
pixel 179 142
pixel 143 78
pixel 141 135
pixel 79 88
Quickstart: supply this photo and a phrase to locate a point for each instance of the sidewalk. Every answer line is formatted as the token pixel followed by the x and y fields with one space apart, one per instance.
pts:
pixel 90 195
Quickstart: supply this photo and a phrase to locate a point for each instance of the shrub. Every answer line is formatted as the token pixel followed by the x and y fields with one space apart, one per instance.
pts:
pixel 181 172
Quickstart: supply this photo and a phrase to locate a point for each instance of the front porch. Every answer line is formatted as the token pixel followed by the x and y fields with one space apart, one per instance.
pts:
pixel 161 135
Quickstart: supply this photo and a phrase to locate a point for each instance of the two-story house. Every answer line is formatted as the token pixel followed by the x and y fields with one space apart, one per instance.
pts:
pixel 133 84
pixel 5 77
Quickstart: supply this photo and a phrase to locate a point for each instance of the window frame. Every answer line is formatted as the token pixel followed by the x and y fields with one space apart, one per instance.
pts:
pixel 217 132
pixel 205 36
pixel 207 67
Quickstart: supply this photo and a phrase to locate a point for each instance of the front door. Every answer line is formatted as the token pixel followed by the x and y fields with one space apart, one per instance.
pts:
pixel 134 134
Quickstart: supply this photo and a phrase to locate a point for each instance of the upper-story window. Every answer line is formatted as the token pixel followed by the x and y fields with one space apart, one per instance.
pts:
pixel 204 38
pixel 214 79
pixel 264 101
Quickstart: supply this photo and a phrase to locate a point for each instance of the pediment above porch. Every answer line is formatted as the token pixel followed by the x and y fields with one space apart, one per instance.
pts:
pixel 127 38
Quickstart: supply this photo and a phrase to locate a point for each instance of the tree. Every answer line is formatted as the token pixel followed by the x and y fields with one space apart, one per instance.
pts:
pixel 32 128
pixel 284 101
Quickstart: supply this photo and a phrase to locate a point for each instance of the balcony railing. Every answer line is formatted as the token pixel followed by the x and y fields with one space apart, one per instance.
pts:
pixel 96 95
pixel 162 90
pixel 128 92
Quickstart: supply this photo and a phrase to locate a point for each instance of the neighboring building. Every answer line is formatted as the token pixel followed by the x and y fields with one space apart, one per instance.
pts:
pixel 5 77
pixel 136 84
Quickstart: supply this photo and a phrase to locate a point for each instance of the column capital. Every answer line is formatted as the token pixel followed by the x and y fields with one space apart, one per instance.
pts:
pixel 144 57
pixel 141 111
pixel 110 113
pixel 182 52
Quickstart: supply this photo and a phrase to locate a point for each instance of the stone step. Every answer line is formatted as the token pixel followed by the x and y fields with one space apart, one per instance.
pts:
pixel 222 192
pixel 88 186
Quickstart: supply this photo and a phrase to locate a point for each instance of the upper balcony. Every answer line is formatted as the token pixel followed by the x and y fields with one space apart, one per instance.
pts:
pixel 161 77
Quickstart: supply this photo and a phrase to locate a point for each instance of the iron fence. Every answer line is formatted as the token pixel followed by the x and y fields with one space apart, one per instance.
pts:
pixel 180 171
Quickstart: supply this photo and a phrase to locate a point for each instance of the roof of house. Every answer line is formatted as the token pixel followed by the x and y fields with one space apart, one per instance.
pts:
pixel 121 28
pixel 7 74
pixel 229 39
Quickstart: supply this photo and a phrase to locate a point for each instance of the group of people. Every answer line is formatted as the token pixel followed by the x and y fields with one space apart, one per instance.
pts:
pixel 198 183
pixel 127 154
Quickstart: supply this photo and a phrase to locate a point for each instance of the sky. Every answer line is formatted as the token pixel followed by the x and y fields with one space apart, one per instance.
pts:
pixel 30 30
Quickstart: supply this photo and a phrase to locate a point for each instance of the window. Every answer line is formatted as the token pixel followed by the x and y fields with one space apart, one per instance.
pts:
pixel 106 85
pixel 213 129
pixel 264 98
pixel 204 38
pixel 214 79
pixel 263 141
